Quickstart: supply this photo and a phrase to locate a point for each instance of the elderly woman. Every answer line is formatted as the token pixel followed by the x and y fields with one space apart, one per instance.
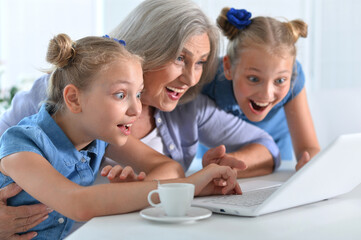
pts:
pixel 180 47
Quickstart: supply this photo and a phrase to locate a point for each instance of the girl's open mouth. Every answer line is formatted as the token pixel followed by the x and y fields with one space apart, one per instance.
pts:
pixel 258 107
pixel 125 129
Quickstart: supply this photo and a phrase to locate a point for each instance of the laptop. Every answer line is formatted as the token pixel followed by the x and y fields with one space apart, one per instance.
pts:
pixel 332 172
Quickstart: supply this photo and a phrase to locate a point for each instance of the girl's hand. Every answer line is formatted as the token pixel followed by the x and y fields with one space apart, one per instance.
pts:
pixel 215 179
pixel 118 174
pixel 305 158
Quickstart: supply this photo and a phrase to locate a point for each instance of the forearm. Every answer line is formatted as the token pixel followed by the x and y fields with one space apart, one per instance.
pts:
pixel 258 159
pixel 107 199
pixel 166 170
pixel 300 124
pixel 70 199
pixel 114 198
pixel 143 158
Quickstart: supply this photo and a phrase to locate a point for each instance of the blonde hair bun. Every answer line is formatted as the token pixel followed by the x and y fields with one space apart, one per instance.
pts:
pixel 60 51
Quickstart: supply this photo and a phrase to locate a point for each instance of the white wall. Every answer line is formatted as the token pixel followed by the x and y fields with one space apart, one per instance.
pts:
pixel 330 55
pixel 335 112
pixel 336 48
pixel 27 26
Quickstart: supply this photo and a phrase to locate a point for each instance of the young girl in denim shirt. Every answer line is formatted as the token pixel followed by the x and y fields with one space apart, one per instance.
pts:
pixel 54 155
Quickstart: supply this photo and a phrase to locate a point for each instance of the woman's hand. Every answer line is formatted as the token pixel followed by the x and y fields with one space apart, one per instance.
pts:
pixel 19 219
pixel 218 156
pixel 118 174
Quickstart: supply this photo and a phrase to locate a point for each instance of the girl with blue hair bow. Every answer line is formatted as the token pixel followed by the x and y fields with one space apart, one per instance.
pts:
pixel 261 81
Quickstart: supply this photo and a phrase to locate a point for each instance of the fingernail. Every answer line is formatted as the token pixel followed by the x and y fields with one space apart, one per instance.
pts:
pixel 35 234
pixel 49 210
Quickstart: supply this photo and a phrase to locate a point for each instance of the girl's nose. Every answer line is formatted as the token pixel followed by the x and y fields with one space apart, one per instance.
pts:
pixel 268 91
pixel 135 108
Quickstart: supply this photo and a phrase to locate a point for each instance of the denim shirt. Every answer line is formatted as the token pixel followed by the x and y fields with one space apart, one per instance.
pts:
pixel 199 121
pixel 40 134
pixel 275 123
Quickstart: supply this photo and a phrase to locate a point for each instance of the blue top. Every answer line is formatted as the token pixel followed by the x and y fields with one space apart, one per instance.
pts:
pixel 275 123
pixel 181 130
pixel 40 134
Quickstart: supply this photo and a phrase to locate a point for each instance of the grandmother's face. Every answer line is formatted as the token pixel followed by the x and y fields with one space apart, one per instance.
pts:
pixel 164 86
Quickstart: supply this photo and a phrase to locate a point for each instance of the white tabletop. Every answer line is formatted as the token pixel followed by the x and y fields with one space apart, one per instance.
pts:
pixel 337 218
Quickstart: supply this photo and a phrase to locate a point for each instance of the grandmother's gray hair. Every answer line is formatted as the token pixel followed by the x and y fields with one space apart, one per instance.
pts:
pixel 158 29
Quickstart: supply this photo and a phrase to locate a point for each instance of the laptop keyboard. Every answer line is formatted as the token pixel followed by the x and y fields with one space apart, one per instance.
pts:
pixel 247 199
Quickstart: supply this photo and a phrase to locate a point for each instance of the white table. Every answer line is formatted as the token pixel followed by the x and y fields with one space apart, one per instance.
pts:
pixel 337 218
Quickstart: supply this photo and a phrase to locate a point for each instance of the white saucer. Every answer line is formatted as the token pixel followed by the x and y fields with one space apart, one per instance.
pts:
pixel 158 214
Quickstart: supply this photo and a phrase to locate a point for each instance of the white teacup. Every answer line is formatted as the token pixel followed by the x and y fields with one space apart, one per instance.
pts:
pixel 175 198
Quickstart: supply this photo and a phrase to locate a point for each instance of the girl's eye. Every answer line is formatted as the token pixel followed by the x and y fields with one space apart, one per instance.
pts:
pixel 280 81
pixel 139 95
pixel 253 79
pixel 120 95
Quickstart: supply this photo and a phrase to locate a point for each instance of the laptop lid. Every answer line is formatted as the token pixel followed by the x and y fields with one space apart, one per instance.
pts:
pixel 332 172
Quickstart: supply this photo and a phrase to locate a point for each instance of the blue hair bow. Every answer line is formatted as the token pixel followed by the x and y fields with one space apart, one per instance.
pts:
pixel 122 42
pixel 240 18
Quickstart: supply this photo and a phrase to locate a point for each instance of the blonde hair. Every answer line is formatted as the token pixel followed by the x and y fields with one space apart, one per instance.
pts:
pixel 158 30
pixel 268 33
pixel 77 62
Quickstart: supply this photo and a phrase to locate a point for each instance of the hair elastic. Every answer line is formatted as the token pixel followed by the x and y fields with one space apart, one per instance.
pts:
pixel 122 42
pixel 240 18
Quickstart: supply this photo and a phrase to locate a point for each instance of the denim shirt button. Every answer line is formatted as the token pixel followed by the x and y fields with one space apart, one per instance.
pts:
pixel 61 220
pixel 159 120
pixel 83 160
pixel 171 147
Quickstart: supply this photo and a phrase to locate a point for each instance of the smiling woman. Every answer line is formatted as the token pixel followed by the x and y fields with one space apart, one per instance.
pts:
pixel 166 86
pixel 176 66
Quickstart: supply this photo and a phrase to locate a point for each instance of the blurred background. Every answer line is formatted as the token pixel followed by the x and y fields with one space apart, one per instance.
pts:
pixel 330 55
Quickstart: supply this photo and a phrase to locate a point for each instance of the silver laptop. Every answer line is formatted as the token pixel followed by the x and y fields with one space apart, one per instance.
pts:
pixel 334 171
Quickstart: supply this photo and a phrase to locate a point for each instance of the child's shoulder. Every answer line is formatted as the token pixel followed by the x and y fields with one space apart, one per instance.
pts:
pixel 26 128
pixel 21 138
